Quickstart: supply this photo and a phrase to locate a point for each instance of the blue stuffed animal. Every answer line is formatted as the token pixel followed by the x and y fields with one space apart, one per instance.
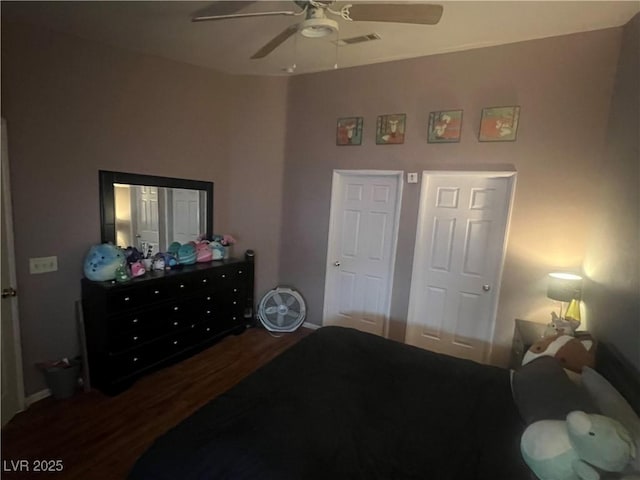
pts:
pixel 102 261
pixel 569 450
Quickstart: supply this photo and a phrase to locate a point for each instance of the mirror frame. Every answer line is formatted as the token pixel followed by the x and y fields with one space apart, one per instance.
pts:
pixel 108 204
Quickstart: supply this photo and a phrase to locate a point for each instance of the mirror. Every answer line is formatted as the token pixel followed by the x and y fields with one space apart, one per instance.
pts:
pixel 146 211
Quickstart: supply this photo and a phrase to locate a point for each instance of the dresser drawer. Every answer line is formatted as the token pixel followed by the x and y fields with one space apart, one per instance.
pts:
pixel 152 318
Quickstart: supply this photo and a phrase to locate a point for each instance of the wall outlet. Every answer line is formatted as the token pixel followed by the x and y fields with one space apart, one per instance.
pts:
pixel 412 178
pixel 43 264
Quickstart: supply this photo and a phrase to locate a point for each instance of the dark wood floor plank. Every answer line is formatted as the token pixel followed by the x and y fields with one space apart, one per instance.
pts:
pixel 99 437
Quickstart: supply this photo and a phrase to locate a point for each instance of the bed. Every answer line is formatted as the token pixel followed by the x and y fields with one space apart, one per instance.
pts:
pixel 346 404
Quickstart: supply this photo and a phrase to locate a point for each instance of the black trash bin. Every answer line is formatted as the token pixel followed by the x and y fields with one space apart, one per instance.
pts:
pixel 62 378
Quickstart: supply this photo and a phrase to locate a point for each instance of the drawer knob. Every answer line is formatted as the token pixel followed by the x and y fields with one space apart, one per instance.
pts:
pixel 239 271
pixel 193 325
pixel 208 298
pixel 208 312
pixel 235 290
pixel 135 338
pixel 156 292
pixel 135 359
pixel 235 303
pixel 135 320
pixel 175 323
pixel 208 329
pixel 175 309
pixel 126 299
pixel 204 280
pixel 175 342
pixel 234 318
pixel 182 285
pixel 224 276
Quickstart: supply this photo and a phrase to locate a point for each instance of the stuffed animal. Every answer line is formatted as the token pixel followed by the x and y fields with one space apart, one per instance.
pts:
pixel 187 254
pixel 217 250
pixel 203 252
pixel 138 269
pixel 569 450
pixel 573 354
pixel 561 326
pixel 102 261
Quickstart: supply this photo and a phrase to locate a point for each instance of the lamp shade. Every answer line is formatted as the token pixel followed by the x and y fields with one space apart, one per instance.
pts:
pixel 564 287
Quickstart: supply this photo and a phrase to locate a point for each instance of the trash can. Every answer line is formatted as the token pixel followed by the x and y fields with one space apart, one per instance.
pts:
pixel 61 377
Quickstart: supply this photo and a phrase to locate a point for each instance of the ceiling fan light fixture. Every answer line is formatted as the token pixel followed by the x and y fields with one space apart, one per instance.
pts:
pixel 318 27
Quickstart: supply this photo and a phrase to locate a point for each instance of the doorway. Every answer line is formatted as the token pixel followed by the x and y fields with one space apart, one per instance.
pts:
pixel 459 254
pixel 361 253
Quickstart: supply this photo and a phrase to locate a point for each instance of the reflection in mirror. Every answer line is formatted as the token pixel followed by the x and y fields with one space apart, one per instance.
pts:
pixel 153 217
pixel 148 211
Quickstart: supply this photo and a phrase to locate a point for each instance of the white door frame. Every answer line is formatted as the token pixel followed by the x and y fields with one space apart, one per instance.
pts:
pixel 338 175
pixel 420 240
pixel 10 247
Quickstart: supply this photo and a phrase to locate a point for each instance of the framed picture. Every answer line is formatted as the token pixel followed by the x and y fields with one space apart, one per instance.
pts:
pixel 499 124
pixel 390 128
pixel 349 131
pixel 444 126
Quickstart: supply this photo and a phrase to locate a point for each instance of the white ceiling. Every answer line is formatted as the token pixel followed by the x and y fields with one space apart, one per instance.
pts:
pixel 164 28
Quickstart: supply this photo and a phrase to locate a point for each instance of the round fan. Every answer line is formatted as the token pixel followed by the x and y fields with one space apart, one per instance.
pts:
pixel 282 310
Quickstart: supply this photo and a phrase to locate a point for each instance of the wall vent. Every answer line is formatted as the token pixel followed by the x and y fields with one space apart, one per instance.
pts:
pixel 359 39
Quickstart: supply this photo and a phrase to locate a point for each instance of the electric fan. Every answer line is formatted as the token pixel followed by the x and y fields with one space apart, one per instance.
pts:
pixel 282 310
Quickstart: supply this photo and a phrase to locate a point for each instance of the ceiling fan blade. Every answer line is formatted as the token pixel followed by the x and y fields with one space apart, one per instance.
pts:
pixel 222 8
pixel 239 15
pixel 423 14
pixel 275 42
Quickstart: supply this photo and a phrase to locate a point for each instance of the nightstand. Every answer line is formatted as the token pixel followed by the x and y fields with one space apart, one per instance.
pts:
pixel 525 334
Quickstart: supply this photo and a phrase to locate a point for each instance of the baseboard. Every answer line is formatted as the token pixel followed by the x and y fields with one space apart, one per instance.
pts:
pixel 36 397
pixel 311 326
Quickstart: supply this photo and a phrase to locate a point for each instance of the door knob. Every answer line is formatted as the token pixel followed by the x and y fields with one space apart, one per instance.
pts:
pixel 486 288
pixel 336 263
pixel 9 292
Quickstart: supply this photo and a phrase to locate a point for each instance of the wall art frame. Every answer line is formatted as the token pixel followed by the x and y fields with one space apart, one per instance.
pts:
pixel 499 124
pixel 349 131
pixel 390 128
pixel 445 126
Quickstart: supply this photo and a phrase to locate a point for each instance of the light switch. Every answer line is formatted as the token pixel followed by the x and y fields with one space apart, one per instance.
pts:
pixel 43 264
pixel 412 178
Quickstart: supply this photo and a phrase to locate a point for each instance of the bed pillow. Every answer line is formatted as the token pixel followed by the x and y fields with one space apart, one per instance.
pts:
pixel 543 391
pixel 612 404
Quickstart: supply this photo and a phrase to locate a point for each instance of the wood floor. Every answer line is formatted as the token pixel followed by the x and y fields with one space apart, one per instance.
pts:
pixel 99 437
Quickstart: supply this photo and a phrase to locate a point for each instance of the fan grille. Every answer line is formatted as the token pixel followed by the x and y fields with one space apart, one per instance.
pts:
pixel 282 310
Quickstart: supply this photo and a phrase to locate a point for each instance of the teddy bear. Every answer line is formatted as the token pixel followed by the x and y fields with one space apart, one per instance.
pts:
pixel 570 449
pixel 561 326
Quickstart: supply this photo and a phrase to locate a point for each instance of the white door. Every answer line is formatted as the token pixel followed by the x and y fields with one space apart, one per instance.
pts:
pixel 363 231
pixel 12 388
pixel 146 223
pixel 458 258
pixel 186 215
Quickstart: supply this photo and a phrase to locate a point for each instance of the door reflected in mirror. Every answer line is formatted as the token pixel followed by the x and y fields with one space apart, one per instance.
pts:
pixel 153 217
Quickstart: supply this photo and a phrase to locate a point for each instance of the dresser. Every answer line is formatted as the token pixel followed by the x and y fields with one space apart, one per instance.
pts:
pixel 135 327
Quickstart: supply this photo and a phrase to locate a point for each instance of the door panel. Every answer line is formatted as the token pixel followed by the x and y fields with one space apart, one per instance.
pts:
pixel 12 388
pixel 361 250
pixel 458 262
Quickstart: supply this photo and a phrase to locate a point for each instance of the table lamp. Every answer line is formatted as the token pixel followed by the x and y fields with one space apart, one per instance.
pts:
pixel 566 287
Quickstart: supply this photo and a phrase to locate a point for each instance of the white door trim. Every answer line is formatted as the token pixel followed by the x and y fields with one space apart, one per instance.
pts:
pixel 8 214
pixel 420 239
pixel 331 253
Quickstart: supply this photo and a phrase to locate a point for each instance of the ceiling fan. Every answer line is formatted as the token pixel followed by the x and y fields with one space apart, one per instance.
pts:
pixel 316 22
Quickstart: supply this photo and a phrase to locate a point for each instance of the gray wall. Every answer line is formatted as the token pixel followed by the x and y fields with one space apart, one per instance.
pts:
pixel 612 261
pixel 563 86
pixel 74 107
